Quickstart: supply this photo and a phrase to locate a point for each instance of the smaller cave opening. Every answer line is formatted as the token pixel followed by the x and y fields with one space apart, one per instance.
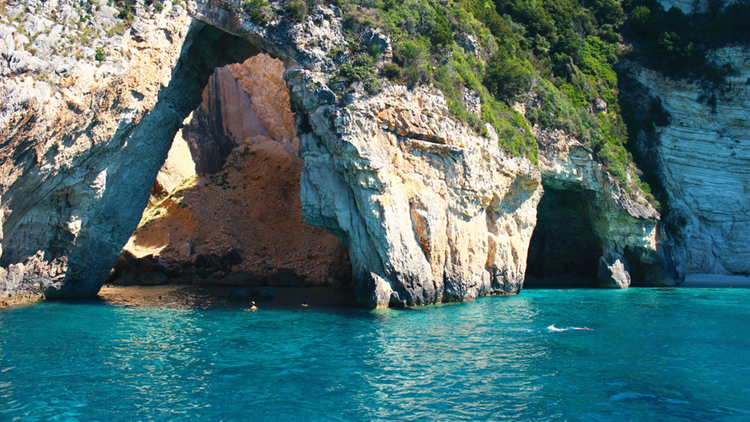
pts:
pixel 564 250
pixel 225 209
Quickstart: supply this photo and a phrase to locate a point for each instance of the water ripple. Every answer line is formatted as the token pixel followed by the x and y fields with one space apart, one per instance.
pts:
pixel 488 360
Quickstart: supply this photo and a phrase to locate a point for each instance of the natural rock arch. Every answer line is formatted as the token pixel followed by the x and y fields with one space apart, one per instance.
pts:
pixel 64 242
pixel 225 209
pixel 126 189
pixel 430 211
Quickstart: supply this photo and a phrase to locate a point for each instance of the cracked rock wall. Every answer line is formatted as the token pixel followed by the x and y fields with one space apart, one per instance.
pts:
pixel 703 158
pixel 430 212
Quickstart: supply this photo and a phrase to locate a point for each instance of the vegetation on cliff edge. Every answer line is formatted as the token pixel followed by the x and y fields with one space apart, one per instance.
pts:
pixel 555 56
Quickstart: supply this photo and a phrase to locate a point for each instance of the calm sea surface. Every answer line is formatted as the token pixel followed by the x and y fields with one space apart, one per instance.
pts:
pixel 678 355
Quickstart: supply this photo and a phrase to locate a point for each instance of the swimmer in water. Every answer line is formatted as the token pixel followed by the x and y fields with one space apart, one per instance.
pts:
pixel 304 303
pixel 553 328
pixel 253 307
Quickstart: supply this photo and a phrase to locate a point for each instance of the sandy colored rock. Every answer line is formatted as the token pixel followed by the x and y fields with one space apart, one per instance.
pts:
pixel 253 205
pixel 425 222
pixel 262 78
pixel 178 167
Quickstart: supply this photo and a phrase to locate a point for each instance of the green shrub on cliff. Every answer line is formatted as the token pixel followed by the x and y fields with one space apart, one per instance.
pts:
pixel 674 44
pixel 360 69
pixel 125 9
pixel 557 56
pixel 100 55
pixel 259 10
pixel 426 51
pixel 297 10
pixel 566 54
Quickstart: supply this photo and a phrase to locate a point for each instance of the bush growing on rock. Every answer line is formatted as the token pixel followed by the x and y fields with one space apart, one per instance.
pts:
pixel 297 10
pixel 507 78
pixel 259 10
pixel 391 71
pixel 557 57
pixel 360 69
pixel 335 54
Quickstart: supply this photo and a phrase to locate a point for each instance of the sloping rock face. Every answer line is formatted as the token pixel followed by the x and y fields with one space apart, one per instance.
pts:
pixel 703 158
pixel 223 121
pixel 67 144
pixel 262 78
pixel 178 167
pixel 83 142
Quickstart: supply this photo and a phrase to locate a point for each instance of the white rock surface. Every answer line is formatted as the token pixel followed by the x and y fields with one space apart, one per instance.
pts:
pixel 705 158
pixel 430 212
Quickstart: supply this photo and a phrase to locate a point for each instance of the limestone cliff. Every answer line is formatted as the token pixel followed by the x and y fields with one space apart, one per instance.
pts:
pixel 91 148
pixel 702 159
pixel 429 211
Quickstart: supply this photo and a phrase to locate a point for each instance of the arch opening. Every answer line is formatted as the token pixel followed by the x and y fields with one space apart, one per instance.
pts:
pixel 564 249
pixel 225 208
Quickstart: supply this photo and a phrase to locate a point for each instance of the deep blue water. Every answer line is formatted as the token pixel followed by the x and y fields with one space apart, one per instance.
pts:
pixel 679 355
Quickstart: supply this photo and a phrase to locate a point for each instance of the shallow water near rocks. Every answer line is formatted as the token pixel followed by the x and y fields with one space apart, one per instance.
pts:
pixel 670 355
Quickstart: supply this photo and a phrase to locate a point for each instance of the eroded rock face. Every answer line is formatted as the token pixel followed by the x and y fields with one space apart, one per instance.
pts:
pixel 702 158
pixel 66 154
pixel 429 211
pixel 78 161
pixel 224 120
pixel 613 273
pixel 262 78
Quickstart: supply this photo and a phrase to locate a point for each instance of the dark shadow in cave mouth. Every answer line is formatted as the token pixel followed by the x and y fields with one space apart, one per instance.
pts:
pixel 564 250
pixel 236 220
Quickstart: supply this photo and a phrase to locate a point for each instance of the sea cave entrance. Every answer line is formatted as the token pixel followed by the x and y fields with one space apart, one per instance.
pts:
pixel 225 207
pixel 564 249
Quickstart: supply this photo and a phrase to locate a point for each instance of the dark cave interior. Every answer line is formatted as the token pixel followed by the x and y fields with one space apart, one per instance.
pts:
pixel 564 249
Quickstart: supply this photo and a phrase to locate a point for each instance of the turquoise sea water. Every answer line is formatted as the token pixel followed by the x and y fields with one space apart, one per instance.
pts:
pixel 679 355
